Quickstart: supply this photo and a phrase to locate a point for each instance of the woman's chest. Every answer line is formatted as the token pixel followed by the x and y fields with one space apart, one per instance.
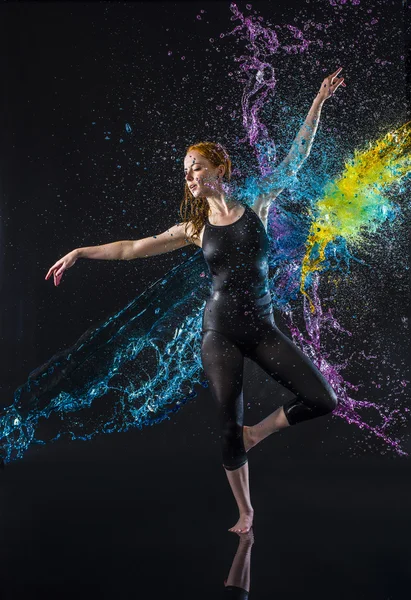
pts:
pixel 234 249
pixel 228 236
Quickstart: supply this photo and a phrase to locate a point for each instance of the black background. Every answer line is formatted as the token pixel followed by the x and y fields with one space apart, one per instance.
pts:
pixel 146 512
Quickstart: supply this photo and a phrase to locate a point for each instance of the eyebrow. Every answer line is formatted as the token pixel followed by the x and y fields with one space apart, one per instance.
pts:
pixel 196 164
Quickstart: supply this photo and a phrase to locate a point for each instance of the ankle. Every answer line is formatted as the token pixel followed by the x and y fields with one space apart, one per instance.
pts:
pixel 248 511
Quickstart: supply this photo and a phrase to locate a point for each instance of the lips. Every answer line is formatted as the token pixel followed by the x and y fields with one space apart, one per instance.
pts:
pixel 192 187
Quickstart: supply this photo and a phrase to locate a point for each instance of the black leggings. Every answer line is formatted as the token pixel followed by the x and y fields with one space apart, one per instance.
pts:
pixel 223 361
pixel 233 592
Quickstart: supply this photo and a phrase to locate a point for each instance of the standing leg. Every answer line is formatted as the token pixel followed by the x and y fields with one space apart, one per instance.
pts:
pixel 223 364
pixel 287 364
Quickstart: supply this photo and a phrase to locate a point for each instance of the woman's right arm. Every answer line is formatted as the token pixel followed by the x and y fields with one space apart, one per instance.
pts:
pixel 171 239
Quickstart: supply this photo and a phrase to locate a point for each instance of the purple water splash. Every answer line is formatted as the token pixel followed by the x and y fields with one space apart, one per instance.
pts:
pixel 262 43
pixel 342 2
pixel 347 407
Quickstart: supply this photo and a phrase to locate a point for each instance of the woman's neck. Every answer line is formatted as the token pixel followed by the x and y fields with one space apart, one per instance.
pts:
pixel 221 205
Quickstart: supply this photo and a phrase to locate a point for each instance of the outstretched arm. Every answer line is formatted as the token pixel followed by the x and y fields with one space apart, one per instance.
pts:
pixel 301 146
pixel 172 239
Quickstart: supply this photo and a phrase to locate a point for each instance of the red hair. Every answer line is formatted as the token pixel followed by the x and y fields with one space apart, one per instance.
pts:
pixel 196 210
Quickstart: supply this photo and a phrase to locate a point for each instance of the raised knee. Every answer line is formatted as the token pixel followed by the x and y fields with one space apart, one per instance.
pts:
pixel 304 409
pixel 334 401
pixel 325 405
pixel 330 401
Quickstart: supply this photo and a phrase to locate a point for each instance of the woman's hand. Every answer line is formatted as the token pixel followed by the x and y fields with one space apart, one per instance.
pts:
pixel 330 84
pixel 61 265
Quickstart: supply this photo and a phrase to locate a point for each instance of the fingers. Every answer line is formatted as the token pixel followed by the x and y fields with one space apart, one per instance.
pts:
pixel 336 72
pixel 49 272
pixel 57 273
pixel 55 266
pixel 57 278
pixel 333 76
pixel 57 270
pixel 337 84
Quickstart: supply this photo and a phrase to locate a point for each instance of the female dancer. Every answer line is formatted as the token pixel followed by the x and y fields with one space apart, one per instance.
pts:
pixel 238 316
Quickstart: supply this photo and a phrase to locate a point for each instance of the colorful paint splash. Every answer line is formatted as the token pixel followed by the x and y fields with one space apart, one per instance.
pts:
pixel 262 42
pixel 142 364
pixel 357 203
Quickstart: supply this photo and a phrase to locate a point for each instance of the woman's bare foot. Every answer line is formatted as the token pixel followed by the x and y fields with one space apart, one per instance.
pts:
pixel 249 437
pixel 271 424
pixel 244 523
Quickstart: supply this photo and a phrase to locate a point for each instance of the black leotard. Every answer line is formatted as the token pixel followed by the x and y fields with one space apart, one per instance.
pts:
pixel 237 258
pixel 238 321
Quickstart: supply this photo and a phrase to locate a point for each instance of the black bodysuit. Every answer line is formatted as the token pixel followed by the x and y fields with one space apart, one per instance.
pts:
pixel 237 257
pixel 238 321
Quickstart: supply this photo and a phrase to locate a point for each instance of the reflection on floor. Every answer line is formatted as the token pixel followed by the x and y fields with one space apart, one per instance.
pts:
pixel 136 516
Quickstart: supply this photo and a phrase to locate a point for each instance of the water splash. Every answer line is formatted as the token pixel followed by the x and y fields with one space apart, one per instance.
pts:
pixel 146 356
pixel 356 203
pixel 262 43
pixel 142 364
pixel 316 323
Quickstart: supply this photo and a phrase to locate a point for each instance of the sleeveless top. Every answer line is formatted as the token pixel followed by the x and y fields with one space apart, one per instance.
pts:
pixel 237 258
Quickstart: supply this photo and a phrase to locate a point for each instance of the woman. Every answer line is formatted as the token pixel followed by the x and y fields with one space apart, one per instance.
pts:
pixel 238 316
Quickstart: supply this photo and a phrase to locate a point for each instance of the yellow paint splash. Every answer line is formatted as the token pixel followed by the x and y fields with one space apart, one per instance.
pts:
pixel 355 203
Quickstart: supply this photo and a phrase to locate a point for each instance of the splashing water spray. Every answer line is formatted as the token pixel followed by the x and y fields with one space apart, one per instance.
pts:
pixel 142 364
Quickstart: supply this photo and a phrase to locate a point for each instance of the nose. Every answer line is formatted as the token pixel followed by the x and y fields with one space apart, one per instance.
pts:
pixel 189 176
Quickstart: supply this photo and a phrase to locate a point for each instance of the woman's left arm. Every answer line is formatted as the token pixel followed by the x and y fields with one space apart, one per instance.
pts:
pixel 302 143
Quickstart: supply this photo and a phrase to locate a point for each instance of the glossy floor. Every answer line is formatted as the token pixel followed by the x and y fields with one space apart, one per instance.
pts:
pixel 145 515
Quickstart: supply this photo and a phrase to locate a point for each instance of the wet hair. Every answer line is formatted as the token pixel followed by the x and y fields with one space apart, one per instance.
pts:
pixel 194 209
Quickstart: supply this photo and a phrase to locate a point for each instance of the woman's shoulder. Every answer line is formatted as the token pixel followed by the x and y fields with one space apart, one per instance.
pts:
pixel 189 231
pixel 258 209
pixel 255 207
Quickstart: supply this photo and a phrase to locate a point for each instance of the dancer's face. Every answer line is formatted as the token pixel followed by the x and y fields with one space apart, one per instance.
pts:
pixel 200 175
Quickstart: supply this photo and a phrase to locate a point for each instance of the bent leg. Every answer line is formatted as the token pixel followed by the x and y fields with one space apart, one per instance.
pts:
pixel 287 364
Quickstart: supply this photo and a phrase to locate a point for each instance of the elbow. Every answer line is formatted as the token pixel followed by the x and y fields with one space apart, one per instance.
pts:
pixel 130 251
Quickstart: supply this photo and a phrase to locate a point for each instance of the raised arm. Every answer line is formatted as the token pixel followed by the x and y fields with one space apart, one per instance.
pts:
pixel 171 239
pixel 301 146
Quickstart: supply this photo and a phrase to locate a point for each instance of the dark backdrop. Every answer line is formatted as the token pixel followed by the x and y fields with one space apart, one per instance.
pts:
pixel 73 76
